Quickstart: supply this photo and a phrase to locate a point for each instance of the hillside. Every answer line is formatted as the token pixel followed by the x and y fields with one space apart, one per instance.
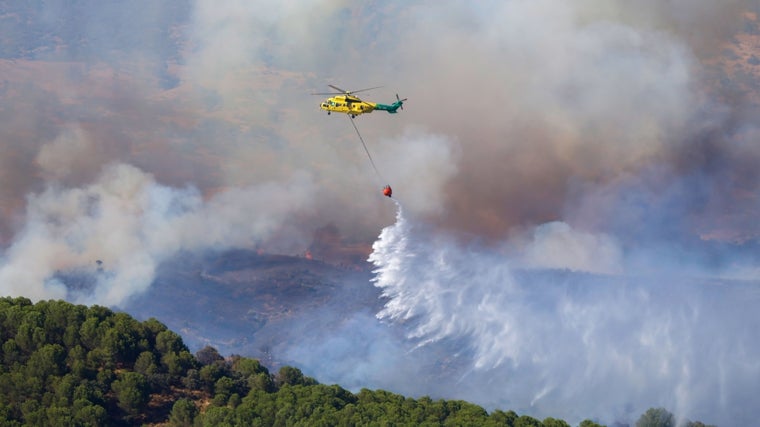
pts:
pixel 72 365
pixel 250 303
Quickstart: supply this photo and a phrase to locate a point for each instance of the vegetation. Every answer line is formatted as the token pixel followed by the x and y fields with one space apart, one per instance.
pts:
pixel 71 365
pixel 661 417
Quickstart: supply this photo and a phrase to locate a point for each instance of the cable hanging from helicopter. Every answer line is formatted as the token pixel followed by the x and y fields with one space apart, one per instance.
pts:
pixel 346 102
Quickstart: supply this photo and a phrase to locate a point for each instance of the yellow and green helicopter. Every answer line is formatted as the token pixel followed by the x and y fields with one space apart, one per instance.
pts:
pixel 344 101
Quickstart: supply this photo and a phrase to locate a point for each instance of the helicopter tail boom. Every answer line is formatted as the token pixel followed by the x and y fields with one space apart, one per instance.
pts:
pixel 393 107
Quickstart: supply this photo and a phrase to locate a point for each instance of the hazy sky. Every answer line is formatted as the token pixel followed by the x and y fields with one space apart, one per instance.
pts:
pixel 520 112
pixel 607 137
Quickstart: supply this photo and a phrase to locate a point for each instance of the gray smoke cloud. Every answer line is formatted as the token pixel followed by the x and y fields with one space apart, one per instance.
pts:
pixel 601 137
pixel 538 104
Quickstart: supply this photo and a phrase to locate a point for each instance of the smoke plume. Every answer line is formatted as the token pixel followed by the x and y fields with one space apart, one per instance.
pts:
pixel 612 140
pixel 128 224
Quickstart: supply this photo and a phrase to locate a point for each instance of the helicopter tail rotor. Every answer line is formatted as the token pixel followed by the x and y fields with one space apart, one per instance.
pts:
pixel 400 101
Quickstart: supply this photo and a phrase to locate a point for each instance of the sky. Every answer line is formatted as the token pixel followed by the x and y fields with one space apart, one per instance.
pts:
pixel 597 137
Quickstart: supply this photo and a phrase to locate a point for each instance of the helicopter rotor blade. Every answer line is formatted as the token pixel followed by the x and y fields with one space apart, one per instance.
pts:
pixel 349 92
pixel 339 89
pixel 363 90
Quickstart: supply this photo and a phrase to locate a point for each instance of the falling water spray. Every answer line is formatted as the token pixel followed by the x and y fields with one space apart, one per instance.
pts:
pixel 558 342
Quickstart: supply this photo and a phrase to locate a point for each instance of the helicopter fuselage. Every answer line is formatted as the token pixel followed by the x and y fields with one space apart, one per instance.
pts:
pixel 347 104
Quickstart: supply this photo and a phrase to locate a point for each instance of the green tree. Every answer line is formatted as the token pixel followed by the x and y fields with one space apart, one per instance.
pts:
pixel 59 416
pixel 183 413
pixel 77 361
pixel 61 321
pixel 504 418
pixel 222 390
pixel 88 414
pixel 48 360
pixel 11 352
pixel 146 364
pixel 100 358
pixel 33 413
pixel 131 392
pixel 169 342
pixel 30 335
pixel 208 355
pixel 71 335
pixel 209 374
pixel 552 422
pixel 292 376
pixel 177 364
pixel 122 340
pixel 589 423
pixel 88 391
pixel 104 379
pixel 64 390
pixel 656 417
pixel 247 367
pixel 192 379
pixel 91 332
pixel 527 421
pixel 7 417
pixel 153 326
pixel 261 381
pixel 218 417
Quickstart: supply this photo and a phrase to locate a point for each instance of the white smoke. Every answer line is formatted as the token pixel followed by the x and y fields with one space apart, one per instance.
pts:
pixel 131 223
pixel 574 345
pixel 67 153
pixel 557 245
pixel 421 165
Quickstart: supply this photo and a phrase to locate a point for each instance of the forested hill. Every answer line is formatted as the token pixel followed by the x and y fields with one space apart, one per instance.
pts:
pixel 72 365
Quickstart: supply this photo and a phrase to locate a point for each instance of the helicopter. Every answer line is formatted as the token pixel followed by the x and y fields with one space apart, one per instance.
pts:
pixel 346 102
